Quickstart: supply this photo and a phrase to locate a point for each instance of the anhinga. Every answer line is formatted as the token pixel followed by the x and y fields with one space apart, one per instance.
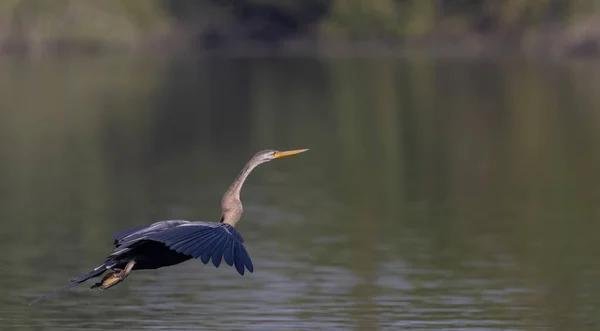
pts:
pixel 171 242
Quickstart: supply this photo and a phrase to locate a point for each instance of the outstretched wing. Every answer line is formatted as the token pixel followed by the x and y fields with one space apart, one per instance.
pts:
pixel 127 237
pixel 120 235
pixel 207 241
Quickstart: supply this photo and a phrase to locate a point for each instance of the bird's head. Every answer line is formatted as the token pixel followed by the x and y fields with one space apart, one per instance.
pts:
pixel 270 154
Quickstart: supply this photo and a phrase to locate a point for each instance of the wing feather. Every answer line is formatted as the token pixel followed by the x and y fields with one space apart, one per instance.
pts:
pixel 127 237
pixel 246 259
pixel 228 252
pixel 239 264
pixel 217 255
pixel 120 235
pixel 196 248
pixel 209 248
pixel 206 241
pixel 205 244
pixel 184 242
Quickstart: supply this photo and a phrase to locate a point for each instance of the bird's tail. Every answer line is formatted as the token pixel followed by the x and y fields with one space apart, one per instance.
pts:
pixel 74 282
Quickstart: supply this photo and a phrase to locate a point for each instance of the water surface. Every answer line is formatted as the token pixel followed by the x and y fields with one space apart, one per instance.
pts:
pixel 437 195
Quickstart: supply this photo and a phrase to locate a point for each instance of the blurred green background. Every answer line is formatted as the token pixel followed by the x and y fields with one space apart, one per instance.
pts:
pixel 557 27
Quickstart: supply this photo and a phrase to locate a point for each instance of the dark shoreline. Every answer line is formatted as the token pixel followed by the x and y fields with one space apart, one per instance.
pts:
pixel 553 44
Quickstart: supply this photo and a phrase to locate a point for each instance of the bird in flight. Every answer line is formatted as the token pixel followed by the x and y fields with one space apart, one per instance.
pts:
pixel 166 243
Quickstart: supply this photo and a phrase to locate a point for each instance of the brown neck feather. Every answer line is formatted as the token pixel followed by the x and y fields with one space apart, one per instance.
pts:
pixel 231 205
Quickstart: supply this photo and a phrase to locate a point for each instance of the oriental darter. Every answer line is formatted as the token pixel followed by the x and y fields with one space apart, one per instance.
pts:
pixel 171 242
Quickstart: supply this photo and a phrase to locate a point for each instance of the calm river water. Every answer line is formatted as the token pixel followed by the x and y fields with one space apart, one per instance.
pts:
pixel 436 195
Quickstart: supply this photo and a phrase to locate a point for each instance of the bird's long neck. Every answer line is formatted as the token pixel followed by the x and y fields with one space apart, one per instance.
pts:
pixel 231 205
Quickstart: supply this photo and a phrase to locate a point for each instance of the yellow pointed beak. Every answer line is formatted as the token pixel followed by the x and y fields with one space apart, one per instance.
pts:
pixel 288 153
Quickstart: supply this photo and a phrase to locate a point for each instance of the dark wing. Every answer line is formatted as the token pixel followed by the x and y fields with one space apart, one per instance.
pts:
pixel 207 241
pixel 130 236
pixel 120 235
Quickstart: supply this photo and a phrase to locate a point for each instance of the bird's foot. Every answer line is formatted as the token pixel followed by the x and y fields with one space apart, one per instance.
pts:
pixel 113 278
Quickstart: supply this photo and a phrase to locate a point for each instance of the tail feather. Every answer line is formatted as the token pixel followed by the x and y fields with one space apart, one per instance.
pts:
pixel 74 282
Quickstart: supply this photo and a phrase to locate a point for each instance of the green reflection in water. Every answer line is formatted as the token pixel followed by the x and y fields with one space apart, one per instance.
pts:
pixel 435 194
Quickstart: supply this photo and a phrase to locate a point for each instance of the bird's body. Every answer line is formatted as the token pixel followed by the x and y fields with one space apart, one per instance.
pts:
pixel 166 243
